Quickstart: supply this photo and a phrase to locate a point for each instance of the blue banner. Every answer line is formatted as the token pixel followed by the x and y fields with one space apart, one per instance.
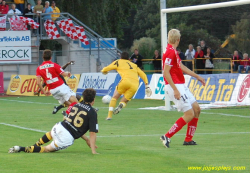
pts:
pixel 219 87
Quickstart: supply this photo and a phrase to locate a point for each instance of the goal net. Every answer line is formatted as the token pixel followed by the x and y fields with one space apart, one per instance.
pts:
pixel 225 28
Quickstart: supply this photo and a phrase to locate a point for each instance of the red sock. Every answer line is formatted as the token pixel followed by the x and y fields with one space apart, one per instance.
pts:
pixel 176 127
pixel 192 125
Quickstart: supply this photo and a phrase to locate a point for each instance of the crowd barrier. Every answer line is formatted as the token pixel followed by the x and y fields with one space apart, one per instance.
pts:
pixel 220 88
pixel 26 85
pixel 1 83
pixel 224 88
pixel 227 69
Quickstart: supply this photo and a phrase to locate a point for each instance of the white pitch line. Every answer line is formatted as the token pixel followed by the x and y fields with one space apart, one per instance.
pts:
pixel 229 115
pixel 25 128
pixel 114 136
pixel 21 101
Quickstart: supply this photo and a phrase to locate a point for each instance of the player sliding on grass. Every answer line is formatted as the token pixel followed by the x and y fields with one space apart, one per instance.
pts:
pixel 50 72
pixel 82 117
pixel 57 108
pixel 178 92
pixel 128 85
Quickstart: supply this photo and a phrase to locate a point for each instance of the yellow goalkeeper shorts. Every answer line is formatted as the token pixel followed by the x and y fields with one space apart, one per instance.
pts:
pixel 127 87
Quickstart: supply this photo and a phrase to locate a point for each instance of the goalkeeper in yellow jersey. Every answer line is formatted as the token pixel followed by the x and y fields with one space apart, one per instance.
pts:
pixel 128 85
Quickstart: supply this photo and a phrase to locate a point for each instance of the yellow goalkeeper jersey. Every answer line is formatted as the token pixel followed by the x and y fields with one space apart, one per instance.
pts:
pixel 127 70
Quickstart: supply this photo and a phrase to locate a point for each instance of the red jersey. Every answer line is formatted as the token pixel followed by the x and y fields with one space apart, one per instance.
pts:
pixel 245 63
pixel 50 72
pixel 4 9
pixel 171 58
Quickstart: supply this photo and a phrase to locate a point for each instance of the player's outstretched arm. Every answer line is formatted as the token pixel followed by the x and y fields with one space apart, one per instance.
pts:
pixel 148 91
pixel 112 66
pixel 92 136
pixel 68 63
pixel 166 74
pixel 66 74
pixel 38 80
pixel 193 74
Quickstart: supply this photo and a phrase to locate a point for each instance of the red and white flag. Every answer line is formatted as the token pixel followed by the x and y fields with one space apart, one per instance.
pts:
pixel 65 25
pixel 19 23
pixel 30 22
pixel 3 23
pixel 51 29
pixel 73 32
pixel 81 35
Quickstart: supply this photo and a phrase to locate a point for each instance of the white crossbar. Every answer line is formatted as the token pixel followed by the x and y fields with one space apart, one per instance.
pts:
pixel 206 6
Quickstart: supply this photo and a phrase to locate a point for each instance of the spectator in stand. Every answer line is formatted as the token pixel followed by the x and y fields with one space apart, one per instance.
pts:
pixel 13 10
pixel 19 5
pixel 38 9
pixel 137 58
pixel 235 64
pixel 200 63
pixel 0 2
pixel 157 62
pixel 181 55
pixel 27 10
pixel 47 9
pixel 190 52
pixel 244 65
pixel 209 60
pixel 4 8
pixel 203 47
pixel 55 10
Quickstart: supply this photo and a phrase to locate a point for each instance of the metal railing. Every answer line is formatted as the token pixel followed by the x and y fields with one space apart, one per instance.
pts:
pixel 220 60
pixel 91 35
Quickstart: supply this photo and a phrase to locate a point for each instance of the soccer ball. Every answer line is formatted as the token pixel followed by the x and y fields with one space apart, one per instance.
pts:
pixel 106 99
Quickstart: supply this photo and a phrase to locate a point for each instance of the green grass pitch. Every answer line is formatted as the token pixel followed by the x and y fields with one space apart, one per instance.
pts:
pixel 129 143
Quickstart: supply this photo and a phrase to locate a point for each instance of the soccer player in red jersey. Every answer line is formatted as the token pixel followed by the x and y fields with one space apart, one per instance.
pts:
pixel 177 91
pixel 50 73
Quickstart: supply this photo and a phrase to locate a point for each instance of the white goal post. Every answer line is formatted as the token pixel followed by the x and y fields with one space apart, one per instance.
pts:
pixel 164 12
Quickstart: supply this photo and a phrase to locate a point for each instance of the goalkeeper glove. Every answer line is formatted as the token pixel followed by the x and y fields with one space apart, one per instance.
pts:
pixel 148 91
pixel 104 72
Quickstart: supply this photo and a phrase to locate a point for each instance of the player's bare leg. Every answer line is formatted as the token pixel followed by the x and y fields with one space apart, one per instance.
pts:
pixel 112 104
pixel 72 99
pixel 57 108
pixel 192 125
pixel 121 105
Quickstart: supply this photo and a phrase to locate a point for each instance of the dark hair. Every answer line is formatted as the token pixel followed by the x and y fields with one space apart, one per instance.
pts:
pixel 89 95
pixel 28 4
pixel 47 55
pixel 124 55
pixel 178 49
